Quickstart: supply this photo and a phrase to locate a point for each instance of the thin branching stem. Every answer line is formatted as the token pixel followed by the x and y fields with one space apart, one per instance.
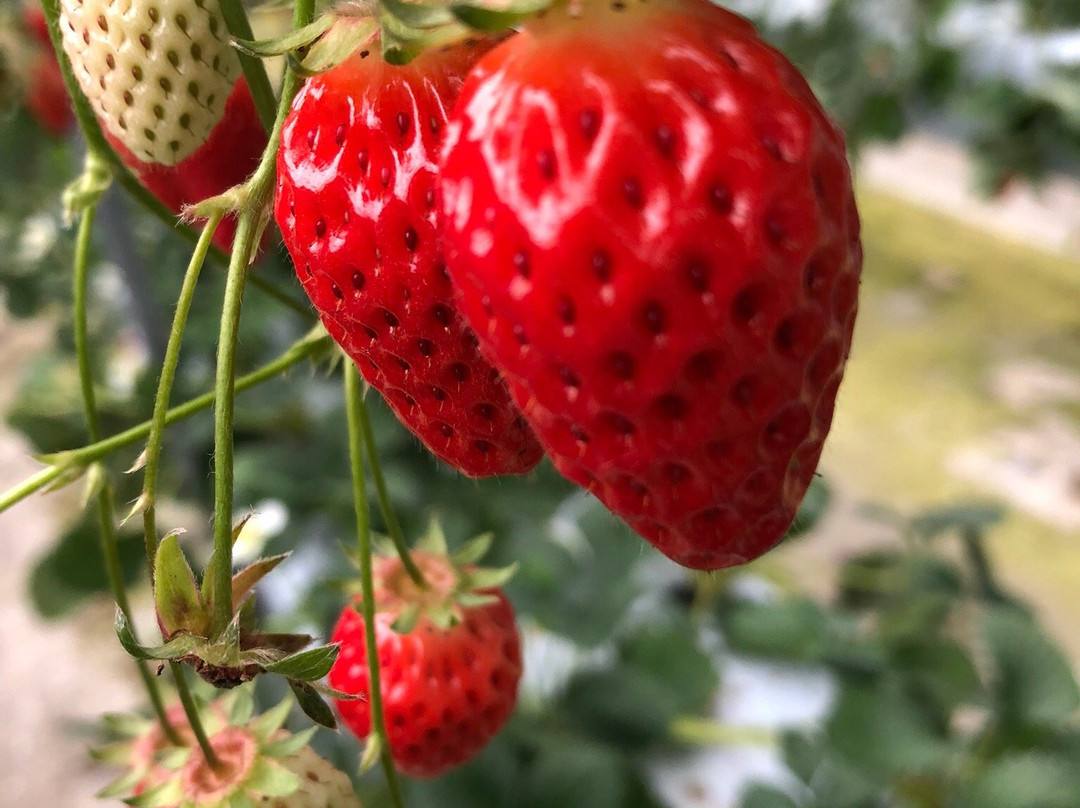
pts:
pixel 353 410
pixel 165 385
pixel 393 526
pixel 104 501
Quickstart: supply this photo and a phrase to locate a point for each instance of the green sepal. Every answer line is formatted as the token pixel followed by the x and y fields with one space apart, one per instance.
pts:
pixel 417 15
pixel 313 704
pixel 338 43
pixel 122 786
pixel 406 620
pixel 473 600
pixel 240 799
pixel 126 725
pixel 473 550
pixel 176 595
pixel 372 752
pixel 181 645
pixel 485 18
pixel 287 747
pixel 488 577
pixel 70 474
pixel 279 46
pixel 271 779
pixel 308 665
pixel 245 580
pixel 168 793
pixel 434 540
pixel 175 758
pixel 96 480
pixel 242 707
pixel 115 754
pixel 271 721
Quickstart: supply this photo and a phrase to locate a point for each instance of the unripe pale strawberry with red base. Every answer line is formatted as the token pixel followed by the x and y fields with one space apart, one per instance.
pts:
pixel 166 87
pixel 356 207
pixel 651 225
pixel 449 675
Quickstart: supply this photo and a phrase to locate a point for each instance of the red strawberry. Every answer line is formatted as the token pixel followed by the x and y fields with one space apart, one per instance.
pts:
pixel 227 158
pixel 450 683
pixel 356 206
pixel 651 224
pixel 46 96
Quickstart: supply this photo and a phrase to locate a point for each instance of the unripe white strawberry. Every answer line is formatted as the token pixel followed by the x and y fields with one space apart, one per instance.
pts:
pixel 157 72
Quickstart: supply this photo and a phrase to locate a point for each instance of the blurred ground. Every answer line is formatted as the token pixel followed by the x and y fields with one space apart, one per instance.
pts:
pixel 964 381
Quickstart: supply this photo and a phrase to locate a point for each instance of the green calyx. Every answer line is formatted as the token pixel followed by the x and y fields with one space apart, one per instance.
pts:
pixel 402 29
pixel 240 652
pixel 453 583
pixel 251 758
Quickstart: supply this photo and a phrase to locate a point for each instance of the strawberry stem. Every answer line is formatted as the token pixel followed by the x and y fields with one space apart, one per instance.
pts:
pixel 165 385
pixel 70 461
pixel 257 193
pixel 191 710
pixel 105 509
pixel 254 71
pixel 393 526
pixel 354 412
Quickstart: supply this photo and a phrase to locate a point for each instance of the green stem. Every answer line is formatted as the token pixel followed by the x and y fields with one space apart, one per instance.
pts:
pixel 986 585
pixel 191 710
pixel 165 385
pixel 263 94
pixel 705 732
pixel 224 394
pixel 70 461
pixel 354 412
pixel 393 526
pixel 105 510
pixel 257 193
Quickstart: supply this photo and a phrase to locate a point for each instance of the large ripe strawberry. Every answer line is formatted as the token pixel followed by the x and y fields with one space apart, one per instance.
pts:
pixel 157 74
pixel 449 683
pixel 356 207
pixel 651 223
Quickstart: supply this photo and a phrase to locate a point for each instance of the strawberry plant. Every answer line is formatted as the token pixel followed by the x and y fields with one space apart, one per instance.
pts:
pixel 619 234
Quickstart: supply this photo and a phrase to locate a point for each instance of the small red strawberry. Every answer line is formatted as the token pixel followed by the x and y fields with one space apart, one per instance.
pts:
pixel 450 682
pixel 46 96
pixel 356 207
pixel 651 223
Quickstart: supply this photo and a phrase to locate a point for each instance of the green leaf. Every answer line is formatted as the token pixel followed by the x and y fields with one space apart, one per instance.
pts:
pixel 802 754
pixel 974 516
pixel 792 630
pixel 176 595
pixel 671 656
pixel 813 507
pixel 312 704
pixel 622 707
pixel 940 669
pixel 880 729
pixel 574 773
pixel 1033 684
pixel 759 796
pixel 314 663
pixel 245 580
pixel 1023 781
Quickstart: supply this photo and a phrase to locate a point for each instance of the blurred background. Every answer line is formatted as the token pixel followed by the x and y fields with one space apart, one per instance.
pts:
pixel 912 643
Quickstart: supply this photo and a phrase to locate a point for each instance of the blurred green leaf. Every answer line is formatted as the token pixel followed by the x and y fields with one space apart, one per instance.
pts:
pixel 575 774
pixel 622 707
pixel 1023 781
pixel 759 796
pixel 978 517
pixel 670 654
pixel 793 630
pixel 1032 683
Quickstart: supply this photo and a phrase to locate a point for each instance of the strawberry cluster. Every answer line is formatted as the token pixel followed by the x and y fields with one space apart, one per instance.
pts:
pixel 648 267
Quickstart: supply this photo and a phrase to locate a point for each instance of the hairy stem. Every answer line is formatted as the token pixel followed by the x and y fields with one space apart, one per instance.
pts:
pixel 165 385
pixel 72 461
pixel 353 410
pixel 393 526
pixel 105 510
pixel 191 710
